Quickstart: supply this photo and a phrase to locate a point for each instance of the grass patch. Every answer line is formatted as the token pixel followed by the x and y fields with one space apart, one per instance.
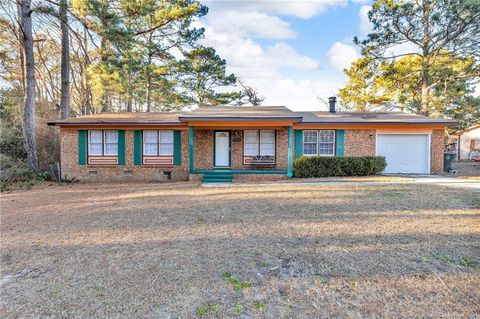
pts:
pixel 204 310
pixel 236 283
pixel 320 281
pixel 464 262
pixel 239 309
pixel 260 306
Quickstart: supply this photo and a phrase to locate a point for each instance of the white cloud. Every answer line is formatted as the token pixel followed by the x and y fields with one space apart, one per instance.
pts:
pixel 297 95
pixel 365 25
pixel 303 9
pixel 341 55
pixel 277 70
pixel 250 24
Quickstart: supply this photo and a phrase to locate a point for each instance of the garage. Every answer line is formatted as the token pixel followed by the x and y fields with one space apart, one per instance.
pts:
pixel 405 153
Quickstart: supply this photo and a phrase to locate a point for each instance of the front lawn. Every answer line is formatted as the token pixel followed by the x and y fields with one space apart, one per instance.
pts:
pixel 296 251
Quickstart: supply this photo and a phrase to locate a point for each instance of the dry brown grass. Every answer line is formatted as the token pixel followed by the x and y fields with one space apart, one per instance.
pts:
pixel 473 178
pixel 163 251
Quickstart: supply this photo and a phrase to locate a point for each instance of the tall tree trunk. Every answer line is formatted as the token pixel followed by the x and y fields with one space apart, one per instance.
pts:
pixel 65 63
pixel 425 76
pixel 29 114
pixel 149 85
pixel 104 59
pixel 149 75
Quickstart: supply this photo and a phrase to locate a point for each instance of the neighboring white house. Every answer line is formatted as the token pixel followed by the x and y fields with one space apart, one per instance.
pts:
pixel 468 141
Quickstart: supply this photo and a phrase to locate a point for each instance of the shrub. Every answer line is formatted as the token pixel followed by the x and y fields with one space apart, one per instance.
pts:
pixel 317 166
pixel 11 142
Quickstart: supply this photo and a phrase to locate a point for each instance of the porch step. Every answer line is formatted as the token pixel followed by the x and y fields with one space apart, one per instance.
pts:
pixel 218 176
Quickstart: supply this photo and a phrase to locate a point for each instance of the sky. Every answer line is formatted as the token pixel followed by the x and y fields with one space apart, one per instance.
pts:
pixel 292 52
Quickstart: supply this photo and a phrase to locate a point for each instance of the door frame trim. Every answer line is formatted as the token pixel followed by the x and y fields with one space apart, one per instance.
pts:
pixel 229 148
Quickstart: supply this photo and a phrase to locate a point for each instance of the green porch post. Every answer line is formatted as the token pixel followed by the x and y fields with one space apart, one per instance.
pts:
pixel 190 145
pixel 290 152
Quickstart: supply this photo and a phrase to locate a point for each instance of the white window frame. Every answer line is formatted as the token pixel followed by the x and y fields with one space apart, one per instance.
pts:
pixel 159 143
pixel 103 143
pixel 319 142
pixel 259 142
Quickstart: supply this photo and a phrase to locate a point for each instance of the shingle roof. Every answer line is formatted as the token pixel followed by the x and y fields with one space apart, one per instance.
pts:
pixel 241 113
pixel 150 118
pixel 250 114
pixel 370 118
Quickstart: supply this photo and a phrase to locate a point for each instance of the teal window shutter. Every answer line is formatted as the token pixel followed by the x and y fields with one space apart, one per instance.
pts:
pixel 340 138
pixel 177 147
pixel 82 147
pixel 121 147
pixel 137 147
pixel 298 143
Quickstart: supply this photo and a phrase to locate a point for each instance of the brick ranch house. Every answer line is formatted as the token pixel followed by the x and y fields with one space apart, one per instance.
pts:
pixel 225 143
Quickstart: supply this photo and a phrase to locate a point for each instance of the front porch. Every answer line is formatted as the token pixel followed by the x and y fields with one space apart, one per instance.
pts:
pixel 219 154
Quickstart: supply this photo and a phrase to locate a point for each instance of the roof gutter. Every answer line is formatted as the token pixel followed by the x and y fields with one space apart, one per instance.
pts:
pixel 381 122
pixel 77 124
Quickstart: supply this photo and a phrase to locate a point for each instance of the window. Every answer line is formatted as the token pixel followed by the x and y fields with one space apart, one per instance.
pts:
pixel 259 142
pixel 157 142
pixel 320 143
pixel 310 142
pixel 102 143
pixel 326 143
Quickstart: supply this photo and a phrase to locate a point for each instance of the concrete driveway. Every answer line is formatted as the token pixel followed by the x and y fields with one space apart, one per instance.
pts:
pixel 454 182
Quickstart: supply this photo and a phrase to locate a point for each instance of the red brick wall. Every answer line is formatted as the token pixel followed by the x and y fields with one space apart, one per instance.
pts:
pixel 104 173
pixel 437 150
pixel 203 149
pixel 203 140
pixel 360 142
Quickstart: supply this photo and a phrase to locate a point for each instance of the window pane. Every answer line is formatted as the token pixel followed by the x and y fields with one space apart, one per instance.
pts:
pixel 267 149
pixel 251 149
pixel 111 136
pixel 267 142
pixel 111 149
pixel 150 136
pixel 150 149
pixel 310 136
pixel 267 136
pixel 95 149
pixel 251 137
pixel 251 143
pixel 327 136
pixel 95 136
pixel 310 148
pixel 166 136
pixel 166 149
pixel 326 149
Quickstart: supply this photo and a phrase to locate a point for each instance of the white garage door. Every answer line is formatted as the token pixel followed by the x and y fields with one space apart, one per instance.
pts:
pixel 405 153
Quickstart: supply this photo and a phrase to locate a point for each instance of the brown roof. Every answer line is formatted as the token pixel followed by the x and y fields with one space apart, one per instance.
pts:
pixel 370 118
pixel 241 113
pixel 249 113
pixel 467 129
pixel 127 118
